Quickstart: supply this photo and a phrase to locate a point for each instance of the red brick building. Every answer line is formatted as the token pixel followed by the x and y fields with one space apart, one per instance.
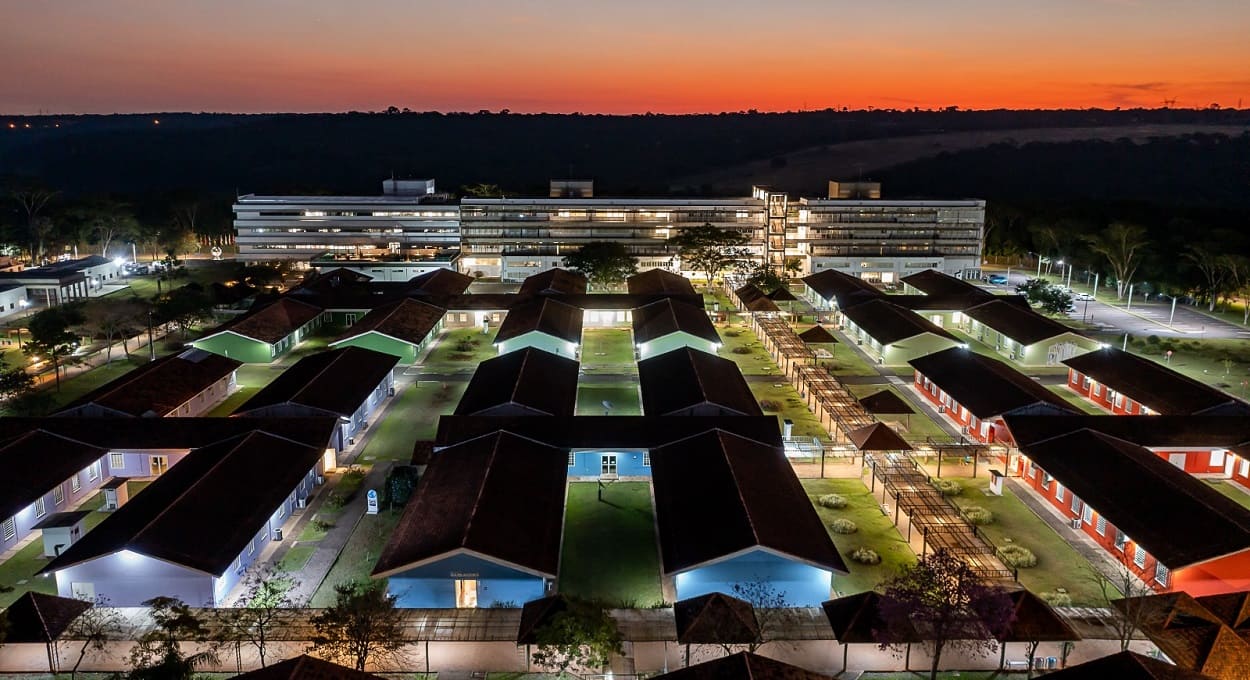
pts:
pixel 1126 384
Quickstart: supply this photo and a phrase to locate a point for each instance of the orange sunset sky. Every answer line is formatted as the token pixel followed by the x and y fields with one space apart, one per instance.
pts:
pixel 100 56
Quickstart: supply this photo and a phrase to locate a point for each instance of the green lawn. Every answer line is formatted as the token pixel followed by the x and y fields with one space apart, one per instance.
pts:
pixel 1232 490
pixel 296 557
pixel 607 346
pixel 82 383
pixel 784 402
pixel 412 416
pixel 1072 398
pixel 358 557
pixel 461 349
pixel 846 361
pixel 609 547
pixel 232 402
pixel 624 400
pixel 1059 565
pixel 876 531
pixel 743 347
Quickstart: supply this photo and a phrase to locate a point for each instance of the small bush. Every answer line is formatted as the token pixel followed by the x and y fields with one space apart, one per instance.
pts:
pixel 464 346
pixel 769 405
pixel 1017 556
pixel 977 515
pixel 832 500
pixel 336 500
pixel 732 334
pixel 741 350
pixel 948 487
pixel 865 556
pixel 322 525
pixel 843 526
pixel 1057 599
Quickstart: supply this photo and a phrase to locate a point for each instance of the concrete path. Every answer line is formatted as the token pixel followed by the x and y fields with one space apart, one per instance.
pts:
pixel 1099 558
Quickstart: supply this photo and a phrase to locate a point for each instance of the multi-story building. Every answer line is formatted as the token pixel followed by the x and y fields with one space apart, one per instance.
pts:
pixel 409 229
pixel 512 238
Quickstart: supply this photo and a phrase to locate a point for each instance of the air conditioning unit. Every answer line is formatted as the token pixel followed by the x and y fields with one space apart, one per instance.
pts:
pixel 320 480
pixel 301 503
pixel 942 409
pixel 1076 522
pixel 390 392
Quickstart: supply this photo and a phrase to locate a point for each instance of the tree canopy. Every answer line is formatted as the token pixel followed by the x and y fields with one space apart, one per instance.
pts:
pixel 710 250
pixel 605 264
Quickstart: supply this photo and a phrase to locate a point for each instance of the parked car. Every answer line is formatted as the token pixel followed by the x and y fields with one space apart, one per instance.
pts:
pixel 1083 296
pixel 998 279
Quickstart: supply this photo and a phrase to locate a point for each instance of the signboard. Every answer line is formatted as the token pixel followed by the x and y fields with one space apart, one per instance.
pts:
pixel 372 499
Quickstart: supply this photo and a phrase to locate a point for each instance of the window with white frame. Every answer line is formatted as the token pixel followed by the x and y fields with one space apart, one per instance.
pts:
pixel 1101 526
pixel 93 471
pixel 9 529
pixel 646 459
pixel 1217 458
pixel 1076 504
pixel 1060 492
pixel 251 547
pixel 1119 400
pixel 1161 574
pixel 75 483
pixel 1120 540
pixel 1244 467
pixel 58 494
pixel 1139 556
pixel 41 507
pixel 1087 514
pixel 572 459
pixel 1046 479
pixel 117 461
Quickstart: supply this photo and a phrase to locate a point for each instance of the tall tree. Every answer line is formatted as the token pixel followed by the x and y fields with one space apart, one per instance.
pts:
pixel 1212 262
pixel 1123 244
pixel 50 335
pixel 14 382
pixel 88 635
pixel 765 277
pixel 583 636
pixel 112 321
pixel 362 625
pixel 943 601
pixel 184 306
pixel 482 191
pixel 267 594
pixel 1239 283
pixel 158 654
pixel 111 221
pixel 709 249
pixel 1131 614
pixel 32 200
pixel 605 264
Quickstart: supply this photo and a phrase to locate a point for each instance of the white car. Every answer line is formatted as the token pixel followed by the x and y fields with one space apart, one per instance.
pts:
pixel 1083 297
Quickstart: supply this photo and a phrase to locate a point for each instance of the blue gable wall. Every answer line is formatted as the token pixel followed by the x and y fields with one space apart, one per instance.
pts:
pixel 803 585
pixel 433 585
pixel 628 464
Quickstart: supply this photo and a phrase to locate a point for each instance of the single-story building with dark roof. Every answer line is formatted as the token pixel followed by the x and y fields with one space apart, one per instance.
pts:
pixel 666 325
pixel 555 281
pixel 742 666
pixel 933 282
pixel 305 667
pixel 976 391
pixel 752 298
pixel 893 335
pixel 1173 530
pixel 441 281
pixel 186 384
pixel 765 526
pixel 1023 335
pixel 194 531
pixel 543 323
pixel 1127 666
pixel 1126 384
pixel 687 382
pixel 832 289
pixel 485 526
pixel 659 282
pixel 350 382
pixel 262 335
pixel 528 381
pixel 404 328
pixel 44 473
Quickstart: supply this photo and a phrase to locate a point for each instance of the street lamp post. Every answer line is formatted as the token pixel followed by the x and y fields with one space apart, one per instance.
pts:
pixel 151 342
pixel 1173 314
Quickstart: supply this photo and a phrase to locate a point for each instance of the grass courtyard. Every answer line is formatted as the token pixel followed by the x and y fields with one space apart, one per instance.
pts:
pixel 624 399
pixel 1232 490
pixel 610 547
pixel 357 559
pixel 412 416
pixel 876 531
pixel 782 400
pixel 607 347
pixel 461 349
pixel 743 347
pixel 1059 565
pixel 1071 397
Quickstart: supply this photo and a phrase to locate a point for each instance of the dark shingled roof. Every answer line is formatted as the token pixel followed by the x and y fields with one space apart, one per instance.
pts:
pixel 272 322
pixel 986 387
pixel 162 433
pixel 855 617
pixel 832 284
pixel 1159 388
pixel 1179 519
pixel 742 666
pixel 441 281
pixel 755 300
pixel 480 496
pixel 1229 432
pixel 422 452
pixel 958 302
pixel 554 281
pixel 589 432
pixel 687 377
pixel 888 323
pixel 544 315
pixel 886 402
pixel 536 614
pixel 659 282
pixel 746 490
pixel 665 317
pixel 933 282
pixel 336 381
pixel 877 437
pixel 1191 634
pixel 38 618
pixel 405 320
pixel 817 335
pixel 161 386
pixel 203 512
pixel 1126 666
pixel 782 294
pixel 1035 621
pixel 1025 326
pixel 715 619
pixel 538 381
pixel 36 461
pixel 65 519
pixel 304 667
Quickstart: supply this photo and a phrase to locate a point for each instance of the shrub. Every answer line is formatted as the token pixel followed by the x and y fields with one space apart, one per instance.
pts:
pixel 1017 556
pixel 977 515
pixel 832 500
pixel 322 525
pixel 843 526
pixel 1057 599
pixel 948 487
pixel 336 500
pixel 769 405
pixel 741 350
pixel 732 334
pixel 464 346
pixel 865 556
pixel 1152 340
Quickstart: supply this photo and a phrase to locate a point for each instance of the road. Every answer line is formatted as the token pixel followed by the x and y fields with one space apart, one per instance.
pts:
pixel 1143 319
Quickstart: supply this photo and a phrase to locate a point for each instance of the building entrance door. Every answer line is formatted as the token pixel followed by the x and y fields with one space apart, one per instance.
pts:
pixel 159 465
pixel 466 593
